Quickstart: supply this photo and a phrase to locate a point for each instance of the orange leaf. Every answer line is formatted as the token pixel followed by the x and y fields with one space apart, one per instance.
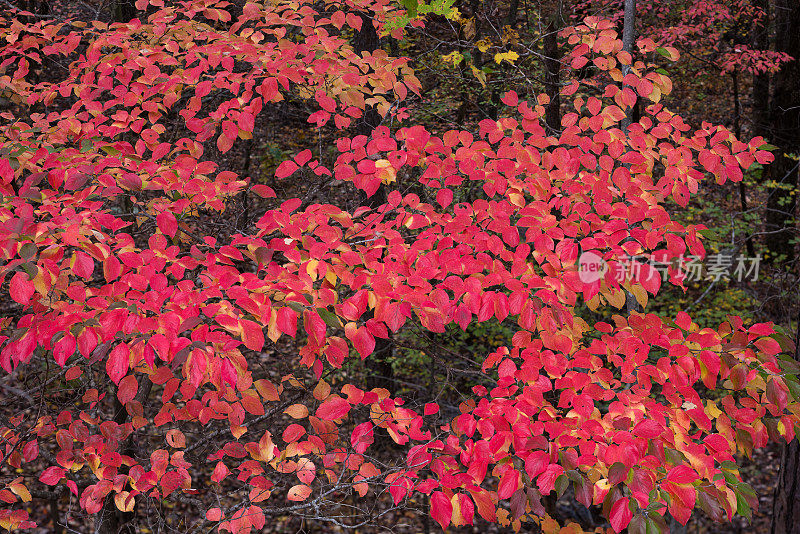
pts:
pixel 299 493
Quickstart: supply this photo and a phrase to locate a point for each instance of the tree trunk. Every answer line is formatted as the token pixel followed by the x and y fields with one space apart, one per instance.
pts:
pixel 760 41
pixel 737 130
pixel 513 10
pixel 124 10
pixel 628 42
pixel 552 66
pixel 786 499
pixel 786 504
pixel 785 125
pixel 378 364
pixel 110 520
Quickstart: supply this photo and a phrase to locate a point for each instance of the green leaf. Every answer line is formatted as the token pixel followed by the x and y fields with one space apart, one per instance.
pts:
pixel 794 387
pixel 296 306
pixel 329 317
pixel 28 251
pixel 562 482
pixel 742 508
pixel 31 269
pixel 411 6
pixel 638 525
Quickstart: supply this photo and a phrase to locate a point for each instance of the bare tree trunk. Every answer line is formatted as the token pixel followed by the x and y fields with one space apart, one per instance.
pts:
pixel 786 504
pixel 785 124
pixel 628 40
pixel 760 41
pixel 110 520
pixel 378 364
pixel 513 10
pixel 552 66
pixel 737 129
pixel 124 10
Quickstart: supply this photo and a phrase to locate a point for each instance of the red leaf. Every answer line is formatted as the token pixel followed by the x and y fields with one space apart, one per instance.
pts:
pixel 285 169
pixel 509 483
pixel 87 341
pixel 287 321
pixel 441 509
pixel 246 121
pixel 337 19
pixel 21 289
pixel 467 509
pixel 682 474
pixel 214 514
pixel 220 472
pixel 483 502
pixel 111 268
pixel 315 327
pixel 648 428
pixel 547 480
pixel 444 197
pixel 82 265
pixel 251 402
pixel 650 278
pixel 327 103
pixel 176 439
pixel 224 143
pixel 293 433
pixel 510 98
pixel 303 157
pixel 682 320
pixel 63 349
pixel 620 515
pixel 128 387
pixel 52 475
pixel 536 463
pixel 118 362
pixel 362 437
pixel 354 21
pixel 263 191
pixel 252 335
pixel 333 408
pixel 167 223
pixel 363 341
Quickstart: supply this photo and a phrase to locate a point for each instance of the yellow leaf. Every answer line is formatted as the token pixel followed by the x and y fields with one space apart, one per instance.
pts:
pixel 385 171
pixel 330 276
pixel 640 294
pixel 712 410
pixel 311 268
pixel 124 501
pixel 469 28
pixel 483 45
pixel 511 57
pixel 655 95
pixel 615 297
pixel 297 411
pixel 454 57
pixel 479 74
pixel 21 491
